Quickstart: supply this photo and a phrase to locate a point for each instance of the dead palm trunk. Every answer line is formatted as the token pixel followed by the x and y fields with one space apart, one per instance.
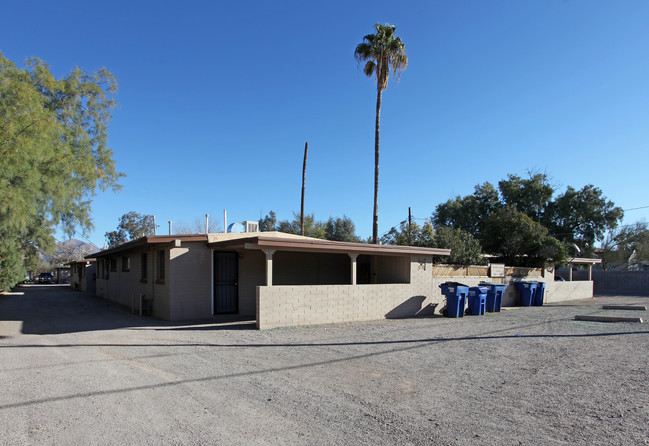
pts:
pixel 306 149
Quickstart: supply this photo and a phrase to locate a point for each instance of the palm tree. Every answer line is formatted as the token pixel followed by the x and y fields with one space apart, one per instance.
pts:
pixel 381 51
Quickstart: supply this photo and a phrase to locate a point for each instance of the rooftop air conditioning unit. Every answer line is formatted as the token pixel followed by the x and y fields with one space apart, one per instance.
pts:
pixel 251 226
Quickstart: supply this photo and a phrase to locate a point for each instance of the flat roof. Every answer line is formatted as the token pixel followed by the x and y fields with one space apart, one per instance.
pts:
pixel 273 240
pixel 584 261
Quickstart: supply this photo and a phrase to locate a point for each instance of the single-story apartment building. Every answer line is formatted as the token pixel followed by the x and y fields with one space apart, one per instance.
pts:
pixel 83 275
pixel 279 279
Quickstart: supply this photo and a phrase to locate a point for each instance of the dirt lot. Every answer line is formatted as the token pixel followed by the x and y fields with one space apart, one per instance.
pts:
pixel 76 370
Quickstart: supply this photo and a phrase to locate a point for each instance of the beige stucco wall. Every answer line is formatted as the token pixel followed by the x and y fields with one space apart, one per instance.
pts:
pixel 88 281
pixel 125 287
pixel 186 292
pixel 294 305
pixel 189 280
pixel 252 273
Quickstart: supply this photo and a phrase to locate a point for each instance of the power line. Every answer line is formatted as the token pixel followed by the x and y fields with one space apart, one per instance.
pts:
pixel 635 209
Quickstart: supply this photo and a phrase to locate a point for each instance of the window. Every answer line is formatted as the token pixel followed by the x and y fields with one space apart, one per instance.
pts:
pixel 144 266
pixel 104 269
pixel 161 265
pixel 113 265
pixel 126 263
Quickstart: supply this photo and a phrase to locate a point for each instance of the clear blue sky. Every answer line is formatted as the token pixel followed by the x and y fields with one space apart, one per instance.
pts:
pixel 218 98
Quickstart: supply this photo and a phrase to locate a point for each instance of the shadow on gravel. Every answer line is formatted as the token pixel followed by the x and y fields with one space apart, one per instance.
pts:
pixel 340 344
pixel 56 309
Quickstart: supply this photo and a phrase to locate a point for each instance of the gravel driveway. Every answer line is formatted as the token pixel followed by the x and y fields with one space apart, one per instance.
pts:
pixel 75 369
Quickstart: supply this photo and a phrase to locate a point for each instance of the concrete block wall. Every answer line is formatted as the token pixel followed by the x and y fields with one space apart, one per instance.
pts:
pixel 554 291
pixel 281 306
pixel 562 291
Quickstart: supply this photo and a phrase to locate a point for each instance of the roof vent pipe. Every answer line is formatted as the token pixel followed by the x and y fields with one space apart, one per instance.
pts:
pixel 170 223
pixel 225 220
pixel 207 223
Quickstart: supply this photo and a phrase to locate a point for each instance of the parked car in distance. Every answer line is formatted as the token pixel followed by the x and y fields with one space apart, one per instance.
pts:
pixel 45 278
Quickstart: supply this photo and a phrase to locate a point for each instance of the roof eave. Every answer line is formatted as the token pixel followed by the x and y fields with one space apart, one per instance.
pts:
pixel 149 240
pixel 316 245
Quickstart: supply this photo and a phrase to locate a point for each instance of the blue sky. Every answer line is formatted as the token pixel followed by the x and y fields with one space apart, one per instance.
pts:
pixel 218 98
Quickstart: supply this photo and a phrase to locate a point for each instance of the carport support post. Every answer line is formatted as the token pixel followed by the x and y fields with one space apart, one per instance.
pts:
pixel 590 272
pixel 269 266
pixel 569 272
pixel 353 257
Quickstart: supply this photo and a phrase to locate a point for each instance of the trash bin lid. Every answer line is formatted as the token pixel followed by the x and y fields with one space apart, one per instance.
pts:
pixel 455 284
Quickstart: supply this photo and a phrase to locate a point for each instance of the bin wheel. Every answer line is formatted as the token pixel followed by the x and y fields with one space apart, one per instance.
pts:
pixel 468 312
pixel 445 312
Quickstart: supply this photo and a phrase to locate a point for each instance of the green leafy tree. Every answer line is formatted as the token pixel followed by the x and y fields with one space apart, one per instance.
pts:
pixel 410 235
pixel 341 229
pixel 582 217
pixel 268 223
pixel 312 227
pixel 465 249
pixel 53 156
pixel 12 267
pixel 529 195
pixel 131 226
pixel 470 212
pixel 382 52
pixel 519 240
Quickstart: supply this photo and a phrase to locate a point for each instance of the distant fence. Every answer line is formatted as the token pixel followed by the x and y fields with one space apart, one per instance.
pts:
pixel 459 271
pixel 622 282
pixel 483 271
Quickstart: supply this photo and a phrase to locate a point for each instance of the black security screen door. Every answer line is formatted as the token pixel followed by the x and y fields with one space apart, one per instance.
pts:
pixel 226 277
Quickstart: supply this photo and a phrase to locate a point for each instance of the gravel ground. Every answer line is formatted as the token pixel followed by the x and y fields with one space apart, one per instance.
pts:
pixel 75 369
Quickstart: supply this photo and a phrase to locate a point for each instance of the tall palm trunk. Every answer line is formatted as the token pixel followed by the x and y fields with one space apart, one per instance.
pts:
pixel 375 224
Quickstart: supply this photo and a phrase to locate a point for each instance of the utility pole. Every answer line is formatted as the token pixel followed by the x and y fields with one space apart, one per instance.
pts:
pixel 306 149
pixel 409 226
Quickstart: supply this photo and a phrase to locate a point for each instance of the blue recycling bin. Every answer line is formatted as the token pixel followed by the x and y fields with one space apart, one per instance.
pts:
pixel 527 290
pixel 478 300
pixel 455 293
pixel 494 296
pixel 539 294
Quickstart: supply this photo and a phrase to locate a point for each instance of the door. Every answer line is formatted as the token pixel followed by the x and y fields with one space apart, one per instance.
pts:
pixel 226 287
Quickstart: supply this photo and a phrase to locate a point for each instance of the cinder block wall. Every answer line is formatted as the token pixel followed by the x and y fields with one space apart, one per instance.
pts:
pixel 554 291
pixel 281 306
